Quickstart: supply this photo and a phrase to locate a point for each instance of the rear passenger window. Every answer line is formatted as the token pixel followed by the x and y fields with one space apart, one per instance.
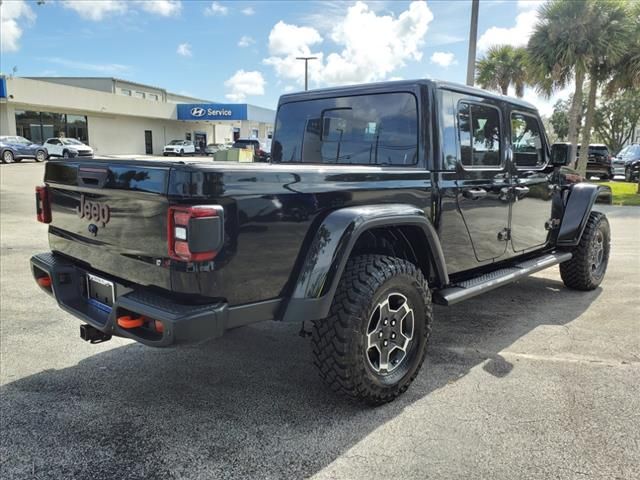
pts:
pixel 378 129
pixel 479 131
pixel 526 141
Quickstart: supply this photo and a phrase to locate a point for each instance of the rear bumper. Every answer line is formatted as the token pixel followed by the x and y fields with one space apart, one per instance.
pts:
pixel 181 323
pixel 599 169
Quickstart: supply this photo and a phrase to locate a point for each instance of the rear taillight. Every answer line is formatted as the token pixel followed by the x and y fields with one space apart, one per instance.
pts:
pixel 194 233
pixel 43 205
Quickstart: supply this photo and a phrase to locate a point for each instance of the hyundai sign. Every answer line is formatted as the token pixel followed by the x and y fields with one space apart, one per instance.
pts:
pixel 212 111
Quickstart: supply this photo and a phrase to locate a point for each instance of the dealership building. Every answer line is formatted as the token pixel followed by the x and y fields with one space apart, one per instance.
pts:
pixel 118 117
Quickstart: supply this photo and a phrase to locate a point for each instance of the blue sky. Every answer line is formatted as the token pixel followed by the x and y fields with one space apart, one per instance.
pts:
pixel 245 51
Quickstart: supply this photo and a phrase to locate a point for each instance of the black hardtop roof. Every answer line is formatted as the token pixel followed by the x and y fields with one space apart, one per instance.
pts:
pixel 378 87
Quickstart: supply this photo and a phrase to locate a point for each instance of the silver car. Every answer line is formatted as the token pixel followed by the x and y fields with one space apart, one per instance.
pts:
pixel 624 158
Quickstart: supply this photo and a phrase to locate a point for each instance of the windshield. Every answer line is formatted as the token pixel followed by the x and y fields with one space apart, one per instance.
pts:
pixel 23 141
pixel 175 142
pixel 70 141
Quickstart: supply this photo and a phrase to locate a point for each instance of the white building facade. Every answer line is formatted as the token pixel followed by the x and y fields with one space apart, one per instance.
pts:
pixel 117 117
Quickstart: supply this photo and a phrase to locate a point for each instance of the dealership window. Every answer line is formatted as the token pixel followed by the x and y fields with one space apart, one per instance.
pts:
pixel 138 94
pixel 380 129
pixel 125 91
pixel 152 96
pixel 38 126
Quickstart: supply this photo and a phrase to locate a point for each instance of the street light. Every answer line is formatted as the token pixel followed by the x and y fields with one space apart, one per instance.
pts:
pixel 306 69
pixel 473 35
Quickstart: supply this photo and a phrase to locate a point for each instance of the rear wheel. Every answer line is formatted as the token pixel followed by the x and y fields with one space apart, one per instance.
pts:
pixel 627 175
pixel 587 267
pixel 181 152
pixel 7 156
pixel 372 345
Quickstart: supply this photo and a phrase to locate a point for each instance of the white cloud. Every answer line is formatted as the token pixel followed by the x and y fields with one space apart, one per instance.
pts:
pixel 184 49
pixel 519 34
pixel 372 46
pixel 393 79
pixel 166 8
pixel 105 68
pixel 216 9
pixel 96 10
pixel 248 11
pixel 543 104
pixel 243 84
pixel 12 15
pixel 245 41
pixel 444 59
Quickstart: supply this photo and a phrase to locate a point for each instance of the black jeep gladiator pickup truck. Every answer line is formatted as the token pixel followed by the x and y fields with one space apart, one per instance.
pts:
pixel 378 200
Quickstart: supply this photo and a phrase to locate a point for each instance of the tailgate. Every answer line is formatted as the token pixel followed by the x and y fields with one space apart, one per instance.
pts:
pixel 112 216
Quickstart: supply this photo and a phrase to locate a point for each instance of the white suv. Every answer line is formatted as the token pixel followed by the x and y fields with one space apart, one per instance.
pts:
pixel 67 148
pixel 179 147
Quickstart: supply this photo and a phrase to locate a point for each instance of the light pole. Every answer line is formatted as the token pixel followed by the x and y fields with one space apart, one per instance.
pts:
pixel 306 70
pixel 473 35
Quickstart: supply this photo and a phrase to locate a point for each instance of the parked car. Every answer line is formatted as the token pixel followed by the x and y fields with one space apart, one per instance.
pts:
pixel 397 215
pixel 624 161
pixel 67 148
pixel 214 147
pixel 15 148
pixel 179 147
pixel 260 155
pixel 599 161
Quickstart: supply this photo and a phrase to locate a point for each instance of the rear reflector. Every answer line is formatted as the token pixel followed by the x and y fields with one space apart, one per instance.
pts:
pixel 43 205
pixel 194 233
pixel 44 282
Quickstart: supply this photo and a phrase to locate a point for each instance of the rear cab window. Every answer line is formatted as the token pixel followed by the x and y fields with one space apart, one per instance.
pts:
pixel 374 129
pixel 527 140
pixel 479 135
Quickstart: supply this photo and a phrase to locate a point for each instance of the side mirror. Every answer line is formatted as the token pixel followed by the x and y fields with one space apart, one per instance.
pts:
pixel 560 154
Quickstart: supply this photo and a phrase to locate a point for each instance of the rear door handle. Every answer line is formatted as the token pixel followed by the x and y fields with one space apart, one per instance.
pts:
pixel 474 193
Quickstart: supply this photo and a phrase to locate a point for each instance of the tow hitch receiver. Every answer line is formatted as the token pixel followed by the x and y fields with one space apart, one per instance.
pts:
pixel 93 335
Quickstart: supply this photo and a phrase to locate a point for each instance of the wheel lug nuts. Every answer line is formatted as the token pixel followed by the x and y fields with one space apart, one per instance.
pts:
pixel 380 334
pixel 385 321
pixel 385 343
pixel 393 323
pixel 393 335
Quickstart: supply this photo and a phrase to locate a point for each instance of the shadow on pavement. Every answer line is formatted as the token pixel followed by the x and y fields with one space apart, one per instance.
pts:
pixel 249 405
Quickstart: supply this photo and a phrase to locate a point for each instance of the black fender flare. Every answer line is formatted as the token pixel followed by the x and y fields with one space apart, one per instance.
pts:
pixel 327 254
pixel 577 209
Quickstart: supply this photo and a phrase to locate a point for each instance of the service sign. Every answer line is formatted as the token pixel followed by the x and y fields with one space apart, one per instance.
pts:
pixel 212 111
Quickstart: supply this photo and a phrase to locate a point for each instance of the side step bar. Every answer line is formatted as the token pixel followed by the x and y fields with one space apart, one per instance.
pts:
pixel 475 286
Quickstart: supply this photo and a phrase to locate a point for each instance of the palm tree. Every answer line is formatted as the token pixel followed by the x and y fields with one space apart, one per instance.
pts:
pixel 559 51
pixel 503 66
pixel 610 31
pixel 626 72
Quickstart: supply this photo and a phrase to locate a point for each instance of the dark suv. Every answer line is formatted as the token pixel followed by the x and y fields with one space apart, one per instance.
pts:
pixel 599 161
pixel 379 200
pixel 627 162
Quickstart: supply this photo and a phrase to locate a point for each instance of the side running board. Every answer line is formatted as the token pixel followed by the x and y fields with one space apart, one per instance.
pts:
pixel 475 286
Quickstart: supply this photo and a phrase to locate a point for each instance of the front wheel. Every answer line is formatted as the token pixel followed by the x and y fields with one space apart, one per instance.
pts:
pixel 627 175
pixel 7 156
pixel 65 154
pixel 372 345
pixel 588 265
pixel 41 156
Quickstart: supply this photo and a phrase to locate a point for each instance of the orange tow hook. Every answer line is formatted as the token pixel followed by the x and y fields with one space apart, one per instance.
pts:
pixel 128 321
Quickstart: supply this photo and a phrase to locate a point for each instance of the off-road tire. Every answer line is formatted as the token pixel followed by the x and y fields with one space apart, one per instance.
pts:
pixel 578 273
pixel 339 341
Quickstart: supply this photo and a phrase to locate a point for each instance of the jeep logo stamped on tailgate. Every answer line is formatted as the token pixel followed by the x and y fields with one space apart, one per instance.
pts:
pixel 93 211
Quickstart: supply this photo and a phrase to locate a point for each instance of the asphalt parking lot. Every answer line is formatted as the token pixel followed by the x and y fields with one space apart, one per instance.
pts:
pixel 531 381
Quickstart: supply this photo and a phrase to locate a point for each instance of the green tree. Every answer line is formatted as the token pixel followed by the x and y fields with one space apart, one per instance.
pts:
pixel 503 66
pixel 559 119
pixel 626 72
pixel 617 117
pixel 610 28
pixel 559 51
